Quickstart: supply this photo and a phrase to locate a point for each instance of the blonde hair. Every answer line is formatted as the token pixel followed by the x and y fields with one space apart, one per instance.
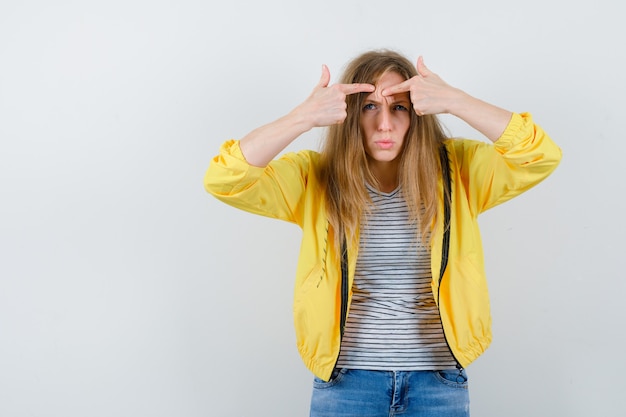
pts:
pixel 344 168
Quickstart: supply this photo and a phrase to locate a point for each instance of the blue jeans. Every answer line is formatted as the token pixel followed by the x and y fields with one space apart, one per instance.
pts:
pixel 358 393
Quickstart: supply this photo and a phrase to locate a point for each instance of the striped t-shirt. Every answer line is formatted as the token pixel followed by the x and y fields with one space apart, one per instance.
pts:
pixel 393 322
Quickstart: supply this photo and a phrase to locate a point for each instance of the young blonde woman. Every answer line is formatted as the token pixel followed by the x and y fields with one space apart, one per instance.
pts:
pixel 391 300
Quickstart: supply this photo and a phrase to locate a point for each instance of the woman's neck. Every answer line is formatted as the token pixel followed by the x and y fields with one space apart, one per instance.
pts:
pixel 386 175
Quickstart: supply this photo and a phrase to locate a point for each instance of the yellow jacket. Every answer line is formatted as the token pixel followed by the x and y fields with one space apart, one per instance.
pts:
pixel 483 176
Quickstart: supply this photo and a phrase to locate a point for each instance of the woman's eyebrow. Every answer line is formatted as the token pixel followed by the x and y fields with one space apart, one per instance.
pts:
pixel 391 101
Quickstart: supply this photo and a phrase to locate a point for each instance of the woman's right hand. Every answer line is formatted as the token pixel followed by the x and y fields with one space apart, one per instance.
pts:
pixel 324 107
pixel 327 104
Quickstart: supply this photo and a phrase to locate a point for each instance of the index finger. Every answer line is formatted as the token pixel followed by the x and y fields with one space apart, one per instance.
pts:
pixel 356 88
pixel 403 87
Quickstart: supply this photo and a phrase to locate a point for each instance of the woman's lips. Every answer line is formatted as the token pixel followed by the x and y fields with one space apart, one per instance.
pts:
pixel 384 144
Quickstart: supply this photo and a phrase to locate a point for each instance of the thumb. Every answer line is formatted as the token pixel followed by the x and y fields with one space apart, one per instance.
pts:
pixel 421 67
pixel 325 78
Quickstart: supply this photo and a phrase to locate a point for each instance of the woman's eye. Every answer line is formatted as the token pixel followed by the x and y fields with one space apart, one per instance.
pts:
pixel 400 107
pixel 369 106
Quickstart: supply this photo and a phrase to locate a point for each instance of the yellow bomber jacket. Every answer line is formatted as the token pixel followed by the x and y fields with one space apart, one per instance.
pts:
pixel 483 175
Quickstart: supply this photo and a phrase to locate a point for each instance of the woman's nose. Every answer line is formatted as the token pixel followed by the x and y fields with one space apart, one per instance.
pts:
pixel 384 119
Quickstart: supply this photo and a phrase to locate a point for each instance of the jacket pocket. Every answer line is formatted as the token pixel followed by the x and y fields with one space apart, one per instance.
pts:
pixel 313 279
pixel 306 300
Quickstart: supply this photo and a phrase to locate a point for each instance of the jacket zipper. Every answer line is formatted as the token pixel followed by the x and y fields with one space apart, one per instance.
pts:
pixel 344 300
pixel 445 246
pixel 344 289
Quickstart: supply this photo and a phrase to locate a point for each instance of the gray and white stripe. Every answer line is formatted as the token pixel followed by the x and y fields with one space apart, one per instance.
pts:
pixel 393 322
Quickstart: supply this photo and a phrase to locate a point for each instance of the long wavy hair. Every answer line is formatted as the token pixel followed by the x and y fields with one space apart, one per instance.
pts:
pixel 345 169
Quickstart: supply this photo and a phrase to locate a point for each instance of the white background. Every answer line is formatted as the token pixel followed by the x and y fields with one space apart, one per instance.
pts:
pixel 126 290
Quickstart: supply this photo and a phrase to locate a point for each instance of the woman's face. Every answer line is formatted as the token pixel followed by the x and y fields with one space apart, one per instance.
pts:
pixel 385 121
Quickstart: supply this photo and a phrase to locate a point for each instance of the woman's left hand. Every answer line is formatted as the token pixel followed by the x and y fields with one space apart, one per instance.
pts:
pixel 429 93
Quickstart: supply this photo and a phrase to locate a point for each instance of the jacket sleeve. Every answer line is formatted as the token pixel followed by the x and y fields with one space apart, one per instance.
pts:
pixel 275 191
pixel 494 173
